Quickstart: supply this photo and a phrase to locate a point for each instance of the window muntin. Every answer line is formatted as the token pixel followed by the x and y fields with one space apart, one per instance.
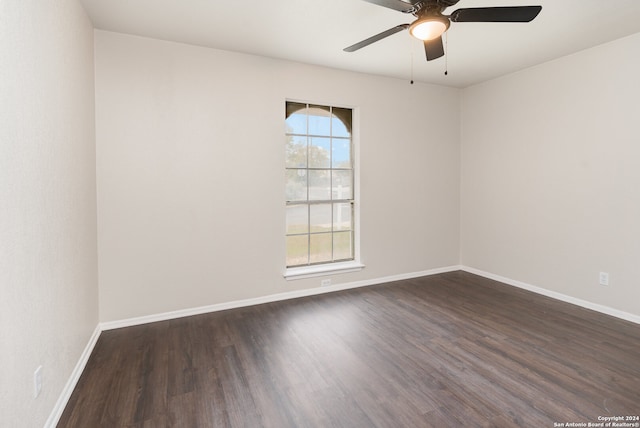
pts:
pixel 319 189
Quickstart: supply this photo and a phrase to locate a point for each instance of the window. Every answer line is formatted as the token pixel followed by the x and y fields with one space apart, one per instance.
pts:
pixel 319 185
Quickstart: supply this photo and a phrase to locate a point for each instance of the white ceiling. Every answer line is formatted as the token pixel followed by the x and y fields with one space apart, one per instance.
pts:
pixel 316 31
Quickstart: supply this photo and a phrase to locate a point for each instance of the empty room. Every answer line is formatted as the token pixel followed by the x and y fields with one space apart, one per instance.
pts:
pixel 320 213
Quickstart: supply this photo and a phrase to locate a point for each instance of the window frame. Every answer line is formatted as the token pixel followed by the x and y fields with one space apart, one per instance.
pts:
pixel 331 267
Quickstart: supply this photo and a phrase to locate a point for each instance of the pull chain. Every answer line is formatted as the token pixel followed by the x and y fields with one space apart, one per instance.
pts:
pixel 411 45
pixel 446 54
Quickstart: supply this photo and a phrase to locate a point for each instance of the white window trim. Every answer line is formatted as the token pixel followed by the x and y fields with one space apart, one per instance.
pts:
pixel 355 265
pixel 303 272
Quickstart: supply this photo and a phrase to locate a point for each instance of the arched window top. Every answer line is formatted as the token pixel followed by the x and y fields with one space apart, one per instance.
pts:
pixel 318 120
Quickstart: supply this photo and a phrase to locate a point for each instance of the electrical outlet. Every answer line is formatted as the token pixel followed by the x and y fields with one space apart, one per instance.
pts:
pixel 325 282
pixel 604 278
pixel 37 382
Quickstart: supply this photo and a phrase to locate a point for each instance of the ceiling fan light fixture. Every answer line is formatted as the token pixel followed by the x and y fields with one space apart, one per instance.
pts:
pixel 429 27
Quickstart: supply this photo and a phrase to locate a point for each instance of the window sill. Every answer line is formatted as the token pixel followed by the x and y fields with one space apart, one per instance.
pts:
pixel 322 270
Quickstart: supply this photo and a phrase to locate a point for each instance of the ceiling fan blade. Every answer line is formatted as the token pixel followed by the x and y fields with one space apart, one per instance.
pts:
pixel 433 48
pixel 373 39
pixel 406 6
pixel 496 14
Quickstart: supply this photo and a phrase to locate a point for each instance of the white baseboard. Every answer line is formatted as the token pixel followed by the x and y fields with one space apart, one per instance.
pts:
pixel 58 409
pixel 555 295
pixel 56 413
pixel 110 325
pixel 63 399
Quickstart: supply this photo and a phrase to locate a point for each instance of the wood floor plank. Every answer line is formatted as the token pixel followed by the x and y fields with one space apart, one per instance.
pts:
pixel 452 349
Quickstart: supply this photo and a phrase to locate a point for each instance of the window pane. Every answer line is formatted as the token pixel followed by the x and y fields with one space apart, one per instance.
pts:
pixel 296 151
pixel 296 185
pixel 319 185
pixel 319 152
pixel 341 153
pixel 319 121
pixel 342 216
pixel 320 216
pixel 296 118
pixel 297 250
pixel 320 248
pixel 342 246
pixel 297 219
pixel 341 122
pixel 342 184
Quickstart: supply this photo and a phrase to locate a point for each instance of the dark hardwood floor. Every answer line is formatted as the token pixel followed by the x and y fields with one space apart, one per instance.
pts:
pixel 446 350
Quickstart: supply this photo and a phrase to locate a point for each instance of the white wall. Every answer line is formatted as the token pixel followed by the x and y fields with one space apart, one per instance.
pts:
pixel 190 173
pixel 48 258
pixel 551 175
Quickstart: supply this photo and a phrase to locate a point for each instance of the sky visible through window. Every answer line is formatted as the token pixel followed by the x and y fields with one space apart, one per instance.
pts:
pixel 322 128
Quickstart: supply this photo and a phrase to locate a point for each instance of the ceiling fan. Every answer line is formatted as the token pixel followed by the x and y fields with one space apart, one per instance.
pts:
pixel 432 23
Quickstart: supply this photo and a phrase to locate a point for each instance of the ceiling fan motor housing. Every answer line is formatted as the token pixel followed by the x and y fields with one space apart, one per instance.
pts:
pixel 430 6
pixel 447 3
